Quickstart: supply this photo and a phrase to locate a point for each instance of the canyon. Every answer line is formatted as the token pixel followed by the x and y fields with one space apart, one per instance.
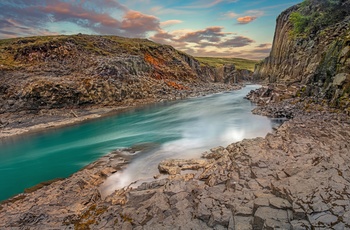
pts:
pixel 65 79
pixel 296 177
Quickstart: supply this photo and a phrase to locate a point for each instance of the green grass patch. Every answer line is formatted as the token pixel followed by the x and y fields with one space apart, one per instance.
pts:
pixel 239 63
pixel 315 15
pixel 15 51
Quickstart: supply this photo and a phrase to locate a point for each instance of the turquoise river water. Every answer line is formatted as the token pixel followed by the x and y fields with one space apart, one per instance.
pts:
pixel 181 129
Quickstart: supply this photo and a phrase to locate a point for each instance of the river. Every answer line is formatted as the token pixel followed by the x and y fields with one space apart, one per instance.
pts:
pixel 181 129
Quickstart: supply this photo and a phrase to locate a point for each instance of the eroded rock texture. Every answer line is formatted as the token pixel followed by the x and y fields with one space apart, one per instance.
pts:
pixel 79 70
pixel 49 76
pixel 318 59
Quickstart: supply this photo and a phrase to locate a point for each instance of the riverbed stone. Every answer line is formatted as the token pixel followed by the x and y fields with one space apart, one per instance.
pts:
pixel 175 166
pixel 261 202
pixel 280 203
pixel 270 218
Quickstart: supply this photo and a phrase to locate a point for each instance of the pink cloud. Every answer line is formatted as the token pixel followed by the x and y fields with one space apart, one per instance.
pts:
pixel 246 19
pixel 93 16
pixel 138 23
pixel 162 35
pixel 64 10
pixel 170 23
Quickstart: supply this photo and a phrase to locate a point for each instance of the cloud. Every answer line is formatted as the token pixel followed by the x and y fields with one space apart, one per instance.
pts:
pixel 11 28
pixel 162 35
pixel 202 4
pixel 113 4
pixel 166 38
pixel 211 34
pixel 64 11
pixel 211 41
pixel 170 23
pixel 256 13
pixel 139 24
pixel 265 45
pixel 231 15
pixel 96 16
pixel 41 17
pixel 246 19
pixel 265 51
pixel 205 4
pixel 238 41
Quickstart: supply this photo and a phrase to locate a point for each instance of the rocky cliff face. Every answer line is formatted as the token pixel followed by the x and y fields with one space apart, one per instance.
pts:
pixel 318 58
pixel 227 74
pixel 74 71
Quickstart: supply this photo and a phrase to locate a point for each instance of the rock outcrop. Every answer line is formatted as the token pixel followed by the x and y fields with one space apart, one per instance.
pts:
pixel 227 74
pixel 70 71
pixel 294 178
pixel 53 75
pixel 318 58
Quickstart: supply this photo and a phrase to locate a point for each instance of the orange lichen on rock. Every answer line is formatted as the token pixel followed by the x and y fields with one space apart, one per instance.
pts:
pixel 176 85
pixel 152 60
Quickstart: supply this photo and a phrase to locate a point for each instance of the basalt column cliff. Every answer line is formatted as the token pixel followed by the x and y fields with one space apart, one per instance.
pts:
pixel 311 48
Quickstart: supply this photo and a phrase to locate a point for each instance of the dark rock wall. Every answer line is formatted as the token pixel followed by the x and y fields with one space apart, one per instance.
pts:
pixel 227 74
pixel 319 60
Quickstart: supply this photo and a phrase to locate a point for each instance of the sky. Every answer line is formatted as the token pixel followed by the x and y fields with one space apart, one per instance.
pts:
pixel 214 28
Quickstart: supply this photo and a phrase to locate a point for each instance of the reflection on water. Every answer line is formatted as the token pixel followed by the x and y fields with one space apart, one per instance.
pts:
pixel 182 129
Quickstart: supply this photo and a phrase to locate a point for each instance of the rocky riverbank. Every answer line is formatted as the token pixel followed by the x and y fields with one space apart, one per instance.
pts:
pixel 59 80
pixel 294 178
pixel 17 123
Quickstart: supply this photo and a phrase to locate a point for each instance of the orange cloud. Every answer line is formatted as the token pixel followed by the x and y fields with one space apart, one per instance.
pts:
pixel 246 19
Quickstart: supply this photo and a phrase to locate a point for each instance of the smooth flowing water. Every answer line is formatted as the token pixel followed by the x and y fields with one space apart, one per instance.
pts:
pixel 182 129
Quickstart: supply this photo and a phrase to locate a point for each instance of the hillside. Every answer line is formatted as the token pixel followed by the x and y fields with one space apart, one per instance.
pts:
pixel 240 63
pixel 53 75
pixel 60 71
pixel 311 48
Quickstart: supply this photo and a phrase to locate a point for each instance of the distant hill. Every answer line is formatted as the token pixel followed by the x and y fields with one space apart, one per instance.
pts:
pixel 239 63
